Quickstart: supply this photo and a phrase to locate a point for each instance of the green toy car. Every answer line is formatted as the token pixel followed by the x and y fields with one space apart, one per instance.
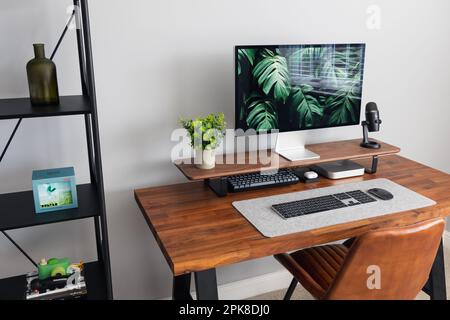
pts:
pixel 52 268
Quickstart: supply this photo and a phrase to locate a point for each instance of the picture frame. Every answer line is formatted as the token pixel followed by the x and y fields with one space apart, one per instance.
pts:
pixel 54 189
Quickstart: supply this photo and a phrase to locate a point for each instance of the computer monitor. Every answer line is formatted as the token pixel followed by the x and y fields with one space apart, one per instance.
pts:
pixel 298 87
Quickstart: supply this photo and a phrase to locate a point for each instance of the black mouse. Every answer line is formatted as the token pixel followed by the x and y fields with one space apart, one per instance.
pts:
pixel 381 193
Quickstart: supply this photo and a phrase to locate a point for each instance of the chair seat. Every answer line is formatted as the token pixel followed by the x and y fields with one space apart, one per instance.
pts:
pixel 315 268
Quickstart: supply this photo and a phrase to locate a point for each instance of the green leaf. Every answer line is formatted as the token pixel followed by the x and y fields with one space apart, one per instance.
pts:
pixel 247 55
pixel 272 73
pixel 308 108
pixel 343 105
pixel 262 115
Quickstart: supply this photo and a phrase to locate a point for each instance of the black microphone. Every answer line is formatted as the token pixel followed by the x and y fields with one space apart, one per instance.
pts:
pixel 372 117
pixel 371 124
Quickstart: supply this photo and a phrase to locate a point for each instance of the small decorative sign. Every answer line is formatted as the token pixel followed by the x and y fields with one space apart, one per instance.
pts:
pixel 54 189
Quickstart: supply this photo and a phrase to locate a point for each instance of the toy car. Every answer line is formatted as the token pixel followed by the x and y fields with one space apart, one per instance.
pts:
pixel 53 267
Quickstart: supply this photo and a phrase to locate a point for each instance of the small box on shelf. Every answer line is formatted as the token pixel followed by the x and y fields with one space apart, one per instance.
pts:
pixel 54 189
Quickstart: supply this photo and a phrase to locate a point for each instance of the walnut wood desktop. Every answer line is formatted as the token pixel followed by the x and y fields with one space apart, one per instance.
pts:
pixel 198 231
pixel 329 151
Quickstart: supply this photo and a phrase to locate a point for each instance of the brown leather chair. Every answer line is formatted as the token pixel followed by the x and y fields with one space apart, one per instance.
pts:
pixel 403 255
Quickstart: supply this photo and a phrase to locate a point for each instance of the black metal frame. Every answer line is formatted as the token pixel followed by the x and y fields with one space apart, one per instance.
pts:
pixel 205 286
pixel 181 289
pixel 435 286
pixel 13 133
pixel 92 137
pixel 19 248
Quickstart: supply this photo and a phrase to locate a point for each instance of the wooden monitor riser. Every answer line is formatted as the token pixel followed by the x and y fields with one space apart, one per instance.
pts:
pixel 328 151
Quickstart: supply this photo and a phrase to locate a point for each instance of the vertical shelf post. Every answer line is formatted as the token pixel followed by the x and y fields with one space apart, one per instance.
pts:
pixel 93 137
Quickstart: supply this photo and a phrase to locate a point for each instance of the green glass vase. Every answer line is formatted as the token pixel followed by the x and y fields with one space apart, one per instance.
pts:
pixel 42 80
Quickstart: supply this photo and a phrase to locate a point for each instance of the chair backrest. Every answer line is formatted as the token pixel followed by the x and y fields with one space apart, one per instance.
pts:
pixel 388 263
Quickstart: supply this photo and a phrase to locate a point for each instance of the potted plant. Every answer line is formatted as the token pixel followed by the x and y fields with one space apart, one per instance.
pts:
pixel 206 134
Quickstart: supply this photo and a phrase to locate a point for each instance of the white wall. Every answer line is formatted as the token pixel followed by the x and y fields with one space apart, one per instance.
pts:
pixel 157 60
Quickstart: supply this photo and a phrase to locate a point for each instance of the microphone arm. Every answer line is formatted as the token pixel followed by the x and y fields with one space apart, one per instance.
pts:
pixel 365 140
pixel 366 143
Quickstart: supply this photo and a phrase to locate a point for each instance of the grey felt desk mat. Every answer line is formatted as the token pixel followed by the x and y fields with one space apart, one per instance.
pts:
pixel 259 212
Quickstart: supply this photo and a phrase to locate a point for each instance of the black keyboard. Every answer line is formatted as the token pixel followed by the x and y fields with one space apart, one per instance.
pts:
pixel 324 203
pixel 259 180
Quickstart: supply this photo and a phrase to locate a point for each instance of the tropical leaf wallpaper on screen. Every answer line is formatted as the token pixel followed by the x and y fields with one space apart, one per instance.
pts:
pixel 298 87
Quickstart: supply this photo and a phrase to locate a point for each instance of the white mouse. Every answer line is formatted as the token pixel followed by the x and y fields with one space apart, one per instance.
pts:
pixel 310 175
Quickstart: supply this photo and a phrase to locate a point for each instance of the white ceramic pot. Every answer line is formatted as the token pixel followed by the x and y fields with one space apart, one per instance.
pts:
pixel 205 159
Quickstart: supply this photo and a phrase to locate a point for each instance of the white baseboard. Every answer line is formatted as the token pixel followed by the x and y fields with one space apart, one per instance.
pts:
pixel 268 282
pixel 251 287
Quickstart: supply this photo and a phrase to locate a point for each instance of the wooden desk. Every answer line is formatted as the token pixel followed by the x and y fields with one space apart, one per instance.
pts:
pixel 198 231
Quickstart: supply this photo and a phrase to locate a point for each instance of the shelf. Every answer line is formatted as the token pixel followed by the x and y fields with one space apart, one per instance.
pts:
pixel 14 288
pixel 17 209
pixel 22 107
pixel 328 151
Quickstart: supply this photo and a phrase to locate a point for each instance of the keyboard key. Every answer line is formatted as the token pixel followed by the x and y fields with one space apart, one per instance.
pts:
pixel 342 196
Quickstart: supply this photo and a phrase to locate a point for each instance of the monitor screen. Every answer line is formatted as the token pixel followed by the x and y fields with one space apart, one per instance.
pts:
pixel 298 87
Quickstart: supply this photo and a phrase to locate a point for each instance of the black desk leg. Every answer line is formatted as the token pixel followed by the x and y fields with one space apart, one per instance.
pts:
pixel 206 285
pixel 182 287
pixel 436 283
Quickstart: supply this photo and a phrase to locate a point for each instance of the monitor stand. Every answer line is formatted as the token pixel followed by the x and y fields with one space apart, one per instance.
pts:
pixel 291 145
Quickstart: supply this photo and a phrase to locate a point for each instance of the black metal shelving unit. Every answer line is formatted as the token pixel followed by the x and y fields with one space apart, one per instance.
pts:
pixel 17 209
